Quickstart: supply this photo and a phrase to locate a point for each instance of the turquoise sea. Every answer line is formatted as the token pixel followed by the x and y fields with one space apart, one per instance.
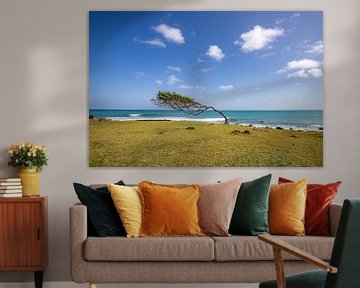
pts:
pixel 286 119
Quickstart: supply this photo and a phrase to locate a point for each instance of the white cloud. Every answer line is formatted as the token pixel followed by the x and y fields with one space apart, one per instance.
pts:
pixel 141 75
pixel 186 87
pixel 295 15
pixel 215 52
pixel 302 64
pixel 316 48
pixel 299 74
pixel 206 70
pixel 171 34
pixel 315 72
pixel 266 55
pixel 173 68
pixel 152 42
pixel 226 87
pixel 306 68
pixel 172 80
pixel 280 71
pixel 159 82
pixel 258 38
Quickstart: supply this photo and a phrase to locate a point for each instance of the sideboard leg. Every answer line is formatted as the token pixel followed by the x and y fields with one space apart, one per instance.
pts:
pixel 92 285
pixel 38 279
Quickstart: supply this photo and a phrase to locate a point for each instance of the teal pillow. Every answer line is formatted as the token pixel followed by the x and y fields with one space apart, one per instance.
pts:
pixel 250 216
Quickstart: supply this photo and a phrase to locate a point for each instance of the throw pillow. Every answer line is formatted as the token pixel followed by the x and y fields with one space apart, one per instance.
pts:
pixel 216 206
pixel 250 215
pixel 169 210
pixel 102 215
pixel 127 201
pixel 287 204
pixel 318 200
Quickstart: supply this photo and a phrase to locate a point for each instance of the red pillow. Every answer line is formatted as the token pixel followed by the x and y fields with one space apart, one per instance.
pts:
pixel 318 200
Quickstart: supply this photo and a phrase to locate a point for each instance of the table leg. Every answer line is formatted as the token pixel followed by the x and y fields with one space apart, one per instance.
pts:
pixel 38 279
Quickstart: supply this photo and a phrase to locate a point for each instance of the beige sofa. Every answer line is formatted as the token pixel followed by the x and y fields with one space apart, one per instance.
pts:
pixel 234 259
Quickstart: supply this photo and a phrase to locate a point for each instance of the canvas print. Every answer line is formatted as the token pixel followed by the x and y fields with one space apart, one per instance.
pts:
pixel 206 89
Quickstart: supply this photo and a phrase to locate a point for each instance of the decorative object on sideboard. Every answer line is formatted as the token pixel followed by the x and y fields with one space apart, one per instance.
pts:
pixel 10 187
pixel 30 158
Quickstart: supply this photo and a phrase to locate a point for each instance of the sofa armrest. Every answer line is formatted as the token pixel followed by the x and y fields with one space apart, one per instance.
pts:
pixel 334 216
pixel 78 235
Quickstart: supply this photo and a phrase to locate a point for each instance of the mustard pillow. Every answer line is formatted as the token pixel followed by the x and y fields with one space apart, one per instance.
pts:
pixel 169 210
pixel 127 201
pixel 287 204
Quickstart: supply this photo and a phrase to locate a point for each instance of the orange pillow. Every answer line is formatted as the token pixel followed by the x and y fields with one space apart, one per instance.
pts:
pixel 169 210
pixel 287 203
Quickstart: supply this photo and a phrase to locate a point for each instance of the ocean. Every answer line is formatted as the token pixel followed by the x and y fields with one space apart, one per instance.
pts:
pixel 286 119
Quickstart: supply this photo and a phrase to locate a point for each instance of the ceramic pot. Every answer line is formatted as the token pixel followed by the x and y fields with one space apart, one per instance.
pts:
pixel 30 181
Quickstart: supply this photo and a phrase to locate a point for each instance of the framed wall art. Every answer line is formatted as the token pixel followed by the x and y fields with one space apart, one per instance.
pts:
pixel 206 89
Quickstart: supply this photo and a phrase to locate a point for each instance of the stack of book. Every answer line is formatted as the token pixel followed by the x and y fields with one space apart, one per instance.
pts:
pixel 10 187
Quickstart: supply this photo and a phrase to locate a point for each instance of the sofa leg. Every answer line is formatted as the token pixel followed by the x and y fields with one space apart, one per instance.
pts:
pixel 92 285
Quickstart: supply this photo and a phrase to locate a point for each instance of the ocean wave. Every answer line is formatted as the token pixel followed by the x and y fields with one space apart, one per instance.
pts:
pixel 285 126
pixel 137 117
pixel 209 120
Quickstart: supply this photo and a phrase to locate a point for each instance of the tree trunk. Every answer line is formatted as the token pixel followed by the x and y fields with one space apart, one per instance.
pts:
pixel 222 114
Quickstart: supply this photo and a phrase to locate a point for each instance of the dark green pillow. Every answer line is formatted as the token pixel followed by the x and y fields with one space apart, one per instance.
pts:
pixel 250 216
pixel 103 218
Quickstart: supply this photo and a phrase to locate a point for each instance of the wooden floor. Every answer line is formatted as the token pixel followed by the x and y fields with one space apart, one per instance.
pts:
pixel 74 285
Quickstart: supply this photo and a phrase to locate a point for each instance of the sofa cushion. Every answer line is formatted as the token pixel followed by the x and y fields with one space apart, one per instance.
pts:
pixel 318 199
pixel 216 206
pixel 250 215
pixel 244 248
pixel 149 249
pixel 287 204
pixel 169 210
pixel 102 216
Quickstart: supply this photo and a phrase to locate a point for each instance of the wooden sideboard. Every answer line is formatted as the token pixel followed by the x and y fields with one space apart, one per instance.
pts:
pixel 23 235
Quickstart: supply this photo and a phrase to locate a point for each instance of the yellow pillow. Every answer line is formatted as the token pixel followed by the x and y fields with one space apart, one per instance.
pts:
pixel 287 204
pixel 127 201
pixel 169 210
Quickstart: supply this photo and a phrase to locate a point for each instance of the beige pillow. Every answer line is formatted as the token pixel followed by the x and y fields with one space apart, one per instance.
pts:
pixel 216 206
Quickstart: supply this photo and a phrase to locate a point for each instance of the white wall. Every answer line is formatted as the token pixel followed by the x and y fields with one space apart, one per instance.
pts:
pixel 43 88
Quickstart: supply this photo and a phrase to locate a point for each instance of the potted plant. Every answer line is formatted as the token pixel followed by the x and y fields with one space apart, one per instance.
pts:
pixel 30 158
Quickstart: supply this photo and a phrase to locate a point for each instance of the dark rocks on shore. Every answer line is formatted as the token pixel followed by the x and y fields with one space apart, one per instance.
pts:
pixel 238 132
pixel 279 128
pixel 250 125
pixel 261 122
pixel 293 136
pixel 321 128
pixel 91 116
pixel 190 128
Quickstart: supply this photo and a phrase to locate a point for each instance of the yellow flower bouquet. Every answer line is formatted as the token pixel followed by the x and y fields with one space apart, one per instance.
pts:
pixel 27 155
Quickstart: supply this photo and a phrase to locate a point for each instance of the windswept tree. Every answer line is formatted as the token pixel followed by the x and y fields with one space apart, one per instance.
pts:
pixel 183 103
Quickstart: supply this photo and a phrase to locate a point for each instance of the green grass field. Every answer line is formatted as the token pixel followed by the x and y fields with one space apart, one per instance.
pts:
pixel 174 144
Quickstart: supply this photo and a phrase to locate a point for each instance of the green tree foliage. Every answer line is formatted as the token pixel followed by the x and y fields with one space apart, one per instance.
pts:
pixel 183 103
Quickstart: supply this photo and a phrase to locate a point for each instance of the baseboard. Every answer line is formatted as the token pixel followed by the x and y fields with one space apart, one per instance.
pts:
pixel 74 285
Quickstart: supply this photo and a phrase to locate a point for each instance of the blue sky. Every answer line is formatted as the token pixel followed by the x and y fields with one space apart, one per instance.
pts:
pixel 238 60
